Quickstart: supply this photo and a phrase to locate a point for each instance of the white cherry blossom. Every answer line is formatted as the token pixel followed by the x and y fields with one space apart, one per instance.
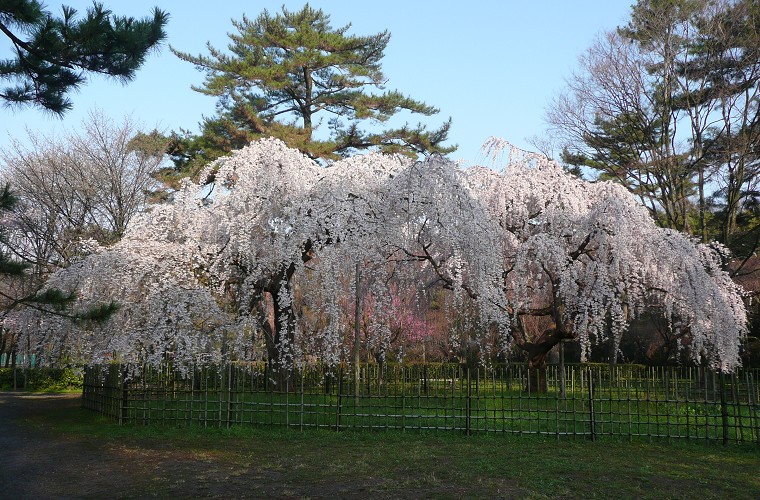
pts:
pixel 258 261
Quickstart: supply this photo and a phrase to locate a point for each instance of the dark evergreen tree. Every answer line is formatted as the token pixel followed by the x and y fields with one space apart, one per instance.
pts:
pixel 714 83
pixel 284 72
pixel 51 55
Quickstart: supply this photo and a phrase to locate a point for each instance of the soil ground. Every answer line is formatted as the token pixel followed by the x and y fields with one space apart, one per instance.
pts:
pixel 35 464
pixel 40 463
pixel 51 448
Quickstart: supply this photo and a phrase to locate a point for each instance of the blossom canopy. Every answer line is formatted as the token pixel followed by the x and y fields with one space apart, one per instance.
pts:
pixel 257 260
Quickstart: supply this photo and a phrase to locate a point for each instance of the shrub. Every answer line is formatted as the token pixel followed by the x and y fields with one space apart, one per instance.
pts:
pixel 41 379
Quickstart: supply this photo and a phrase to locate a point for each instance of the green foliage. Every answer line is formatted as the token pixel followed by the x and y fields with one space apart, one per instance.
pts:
pixel 627 148
pixel 51 55
pixel 7 198
pixel 10 267
pixel 284 70
pixel 58 299
pixel 41 379
pixel 99 312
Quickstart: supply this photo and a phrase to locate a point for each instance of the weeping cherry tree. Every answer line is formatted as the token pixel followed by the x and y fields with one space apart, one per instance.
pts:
pixel 259 259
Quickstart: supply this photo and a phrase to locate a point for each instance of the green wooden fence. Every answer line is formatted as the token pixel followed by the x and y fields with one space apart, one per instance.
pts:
pixel 586 401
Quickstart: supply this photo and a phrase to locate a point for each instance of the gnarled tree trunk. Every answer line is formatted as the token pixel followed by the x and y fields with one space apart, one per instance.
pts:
pixel 537 352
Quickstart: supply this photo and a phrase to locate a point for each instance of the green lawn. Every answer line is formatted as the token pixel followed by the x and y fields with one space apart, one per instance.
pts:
pixel 287 463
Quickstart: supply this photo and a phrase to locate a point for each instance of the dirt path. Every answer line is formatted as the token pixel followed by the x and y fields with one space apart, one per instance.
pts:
pixel 34 466
pixel 38 464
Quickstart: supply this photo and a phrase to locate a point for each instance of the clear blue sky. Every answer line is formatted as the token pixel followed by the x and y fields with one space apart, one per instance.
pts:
pixel 493 66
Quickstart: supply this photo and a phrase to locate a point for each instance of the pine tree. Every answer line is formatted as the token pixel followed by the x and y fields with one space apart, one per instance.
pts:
pixel 52 55
pixel 284 72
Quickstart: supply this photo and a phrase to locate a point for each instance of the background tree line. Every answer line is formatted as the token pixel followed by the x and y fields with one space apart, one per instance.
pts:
pixel 667 105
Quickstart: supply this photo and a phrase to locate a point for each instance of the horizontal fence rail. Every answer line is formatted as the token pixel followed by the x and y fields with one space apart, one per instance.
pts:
pixel 586 401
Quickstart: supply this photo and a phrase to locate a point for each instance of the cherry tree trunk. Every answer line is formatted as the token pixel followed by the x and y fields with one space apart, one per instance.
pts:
pixel 537 352
pixel 280 374
pixel 537 371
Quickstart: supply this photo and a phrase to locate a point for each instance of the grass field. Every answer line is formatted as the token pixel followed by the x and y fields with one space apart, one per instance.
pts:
pixel 280 462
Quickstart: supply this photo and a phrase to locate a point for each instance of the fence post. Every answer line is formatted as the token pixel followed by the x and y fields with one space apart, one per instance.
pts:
pixel 403 398
pixel 288 377
pixel 737 408
pixel 340 396
pixel 753 403
pixel 124 395
pixel 220 394
pixel 229 393
pixel 562 389
pixel 723 408
pixel 592 416
pixel 468 404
